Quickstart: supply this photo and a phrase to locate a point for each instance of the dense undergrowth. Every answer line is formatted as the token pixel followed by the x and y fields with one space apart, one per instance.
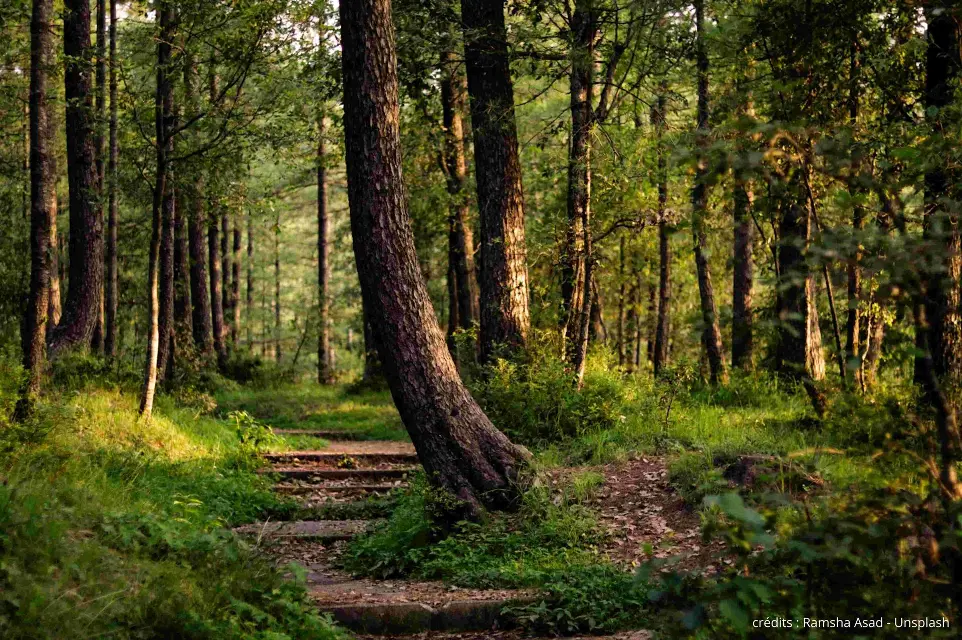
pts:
pixel 115 527
pixel 842 519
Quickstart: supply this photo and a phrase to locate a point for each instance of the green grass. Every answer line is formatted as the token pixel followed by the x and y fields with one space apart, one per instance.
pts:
pixel 369 414
pixel 111 526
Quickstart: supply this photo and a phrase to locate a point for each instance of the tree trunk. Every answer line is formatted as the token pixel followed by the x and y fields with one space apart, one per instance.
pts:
pixel 503 275
pixel 941 225
pixel 278 353
pixel 225 271
pixel 711 333
pixel 622 311
pixel 162 215
pixel 460 449
pixel 183 319
pixel 53 269
pixel 659 357
pixel 235 283
pixel 200 295
pixel 574 283
pixel 462 285
pixel 852 320
pixel 216 294
pixel 111 286
pixel 799 339
pixel 43 195
pixel 98 342
pixel 653 319
pixel 250 279
pixel 86 225
pixel 325 372
pixel 743 277
pixel 168 215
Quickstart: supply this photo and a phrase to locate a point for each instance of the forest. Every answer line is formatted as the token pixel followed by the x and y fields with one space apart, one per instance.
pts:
pixel 480 319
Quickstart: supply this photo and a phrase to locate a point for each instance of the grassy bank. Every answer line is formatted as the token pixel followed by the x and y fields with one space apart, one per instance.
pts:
pixel 115 527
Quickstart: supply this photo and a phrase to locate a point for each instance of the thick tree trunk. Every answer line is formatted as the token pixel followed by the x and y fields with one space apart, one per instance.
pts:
pixel 111 285
pixel 325 372
pixel 43 197
pixel 460 449
pixel 462 281
pixel 86 226
pixel 162 216
pixel 943 294
pixel 235 283
pixel 503 275
pixel 711 333
pixel 659 357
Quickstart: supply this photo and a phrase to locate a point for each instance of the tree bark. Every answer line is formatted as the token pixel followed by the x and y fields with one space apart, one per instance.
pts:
pixel 460 449
pixel 53 269
pixel 43 197
pixel 168 218
pixel 503 275
pixel 111 285
pixel 711 333
pixel 853 317
pixel 183 308
pixel 225 271
pixel 235 283
pixel 584 32
pixel 86 226
pixel 98 342
pixel 325 372
pixel 278 349
pixel 250 279
pixel 622 305
pixel 462 285
pixel 216 295
pixel 659 357
pixel 743 277
pixel 162 216
pixel 799 350
pixel 941 223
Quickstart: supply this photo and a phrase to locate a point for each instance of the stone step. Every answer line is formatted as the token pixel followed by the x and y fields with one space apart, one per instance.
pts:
pixel 413 617
pixel 326 434
pixel 320 474
pixel 335 458
pixel 352 488
pixel 314 530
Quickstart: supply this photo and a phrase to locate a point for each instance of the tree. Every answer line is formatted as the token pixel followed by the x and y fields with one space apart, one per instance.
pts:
pixel 325 373
pixel 462 284
pixel 160 310
pixel 711 334
pixel 459 447
pixel 943 65
pixel 659 356
pixel 503 276
pixel 43 208
pixel 111 286
pixel 86 268
pixel 98 342
pixel 216 282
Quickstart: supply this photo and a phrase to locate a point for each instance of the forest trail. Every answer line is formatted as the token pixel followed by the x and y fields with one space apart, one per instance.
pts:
pixel 639 513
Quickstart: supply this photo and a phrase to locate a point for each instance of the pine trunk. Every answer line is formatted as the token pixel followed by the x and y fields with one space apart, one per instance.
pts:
pixel 216 295
pixel 743 277
pixel 111 285
pixel 659 356
pixel 86 243
pixel 460 449
pixel 503 276
pixel 43 209
pixel 235 283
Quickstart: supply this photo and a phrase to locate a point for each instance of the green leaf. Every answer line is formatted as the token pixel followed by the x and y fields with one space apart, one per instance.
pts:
pixel 735 613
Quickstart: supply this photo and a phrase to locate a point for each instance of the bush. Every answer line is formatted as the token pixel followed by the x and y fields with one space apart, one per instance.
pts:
pixel 535 401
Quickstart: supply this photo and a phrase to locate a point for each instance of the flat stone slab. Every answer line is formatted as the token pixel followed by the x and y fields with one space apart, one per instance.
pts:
pixel 321 474
pixel 316 530
pixel 342 458
pixel 348 488
pixel 413 617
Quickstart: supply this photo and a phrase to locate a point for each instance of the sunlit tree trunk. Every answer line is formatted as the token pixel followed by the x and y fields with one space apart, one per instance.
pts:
pixel 163 108
pixel 503 276
pixel 460 449
pixel 43 197
pixel 325 372
pixel 54 309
